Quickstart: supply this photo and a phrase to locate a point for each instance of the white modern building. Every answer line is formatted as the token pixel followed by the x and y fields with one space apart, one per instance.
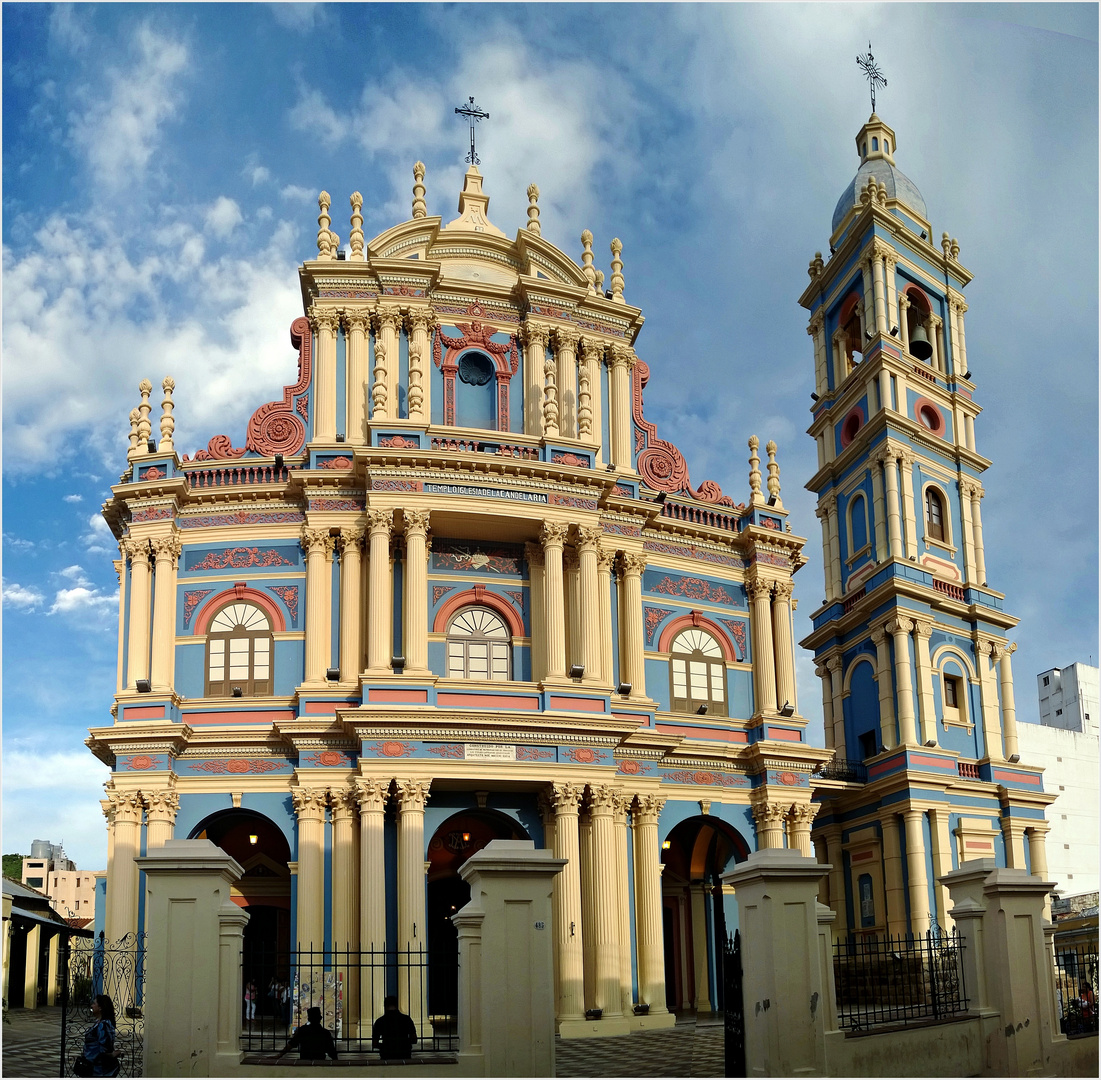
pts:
pixel 1065 745
pixel 1069 698
pixel 71 892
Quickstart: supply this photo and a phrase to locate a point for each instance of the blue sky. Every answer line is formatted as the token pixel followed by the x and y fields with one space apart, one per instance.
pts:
pixel 161 167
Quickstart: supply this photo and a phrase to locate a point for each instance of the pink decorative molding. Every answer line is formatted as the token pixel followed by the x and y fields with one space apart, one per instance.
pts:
pixel 192 600
pixel 236 765
pixel 694 588
pixel 289 595
pixel 326 759
pixel 239 558
pixel 475 335
pixel 340 462
pixel 240 591
pixel 695 618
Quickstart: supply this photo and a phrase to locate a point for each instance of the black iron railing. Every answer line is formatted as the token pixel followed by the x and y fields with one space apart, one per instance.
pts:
pixel 1076 989
pixel 349 986
pixel 896 980
pixel 844 769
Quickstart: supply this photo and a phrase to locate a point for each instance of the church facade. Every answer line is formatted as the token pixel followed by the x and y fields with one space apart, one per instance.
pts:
pixel 452 586
pixel 911 639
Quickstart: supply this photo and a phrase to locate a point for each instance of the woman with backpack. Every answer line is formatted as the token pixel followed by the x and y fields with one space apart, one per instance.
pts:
pixel 99 1058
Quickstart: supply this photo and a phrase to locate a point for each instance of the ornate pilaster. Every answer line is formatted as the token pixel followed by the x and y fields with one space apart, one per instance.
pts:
pixel 1009 707
pixel 318 546
pixel 345 886
pixel 351 572
pixel 633 658
pixel 769 818
pixel 985 652
pixel 833 666
pixel 553 538
pixel 888 457
pixel 309 806
pixel 325 322
pixel 372 794
pixel 623 901
pixel 899 629
pixel 764 658
pixel 534 339
pixel 137 661
pixel 567 904
pixel 357 327
pixel 915 870
pixel 122 886
pixel 565 347
pixel 588 545
pixel 602 804
pixel 533 556
pixel 648 917
pixel 380 525
pixel 167 551
pixel 415 588
pixel 927 718
pixel 906 470
pixel 412 934
pixel 620 359
pixel 421 321
pixel 782 640
pixel 823 673
pixel 885 682
pixel 605 563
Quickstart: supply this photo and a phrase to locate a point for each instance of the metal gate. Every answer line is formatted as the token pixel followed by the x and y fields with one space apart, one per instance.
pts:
pixel 733 1006
pixel 93 966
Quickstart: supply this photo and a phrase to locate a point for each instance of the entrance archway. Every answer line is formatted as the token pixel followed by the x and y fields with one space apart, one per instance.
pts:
pixel 264 891
pixel 459 837
pixel 694 914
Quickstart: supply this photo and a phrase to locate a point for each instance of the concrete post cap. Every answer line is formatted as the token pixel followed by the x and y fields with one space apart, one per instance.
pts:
pixel 776 862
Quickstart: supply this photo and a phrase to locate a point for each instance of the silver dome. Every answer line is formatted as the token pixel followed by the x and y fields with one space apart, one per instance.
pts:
pixel 897 184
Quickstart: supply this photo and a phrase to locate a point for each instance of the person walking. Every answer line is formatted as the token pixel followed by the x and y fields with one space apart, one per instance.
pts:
pixel 98 1057
pixel 394 1032
pixel 250 1001
pixel 314 1041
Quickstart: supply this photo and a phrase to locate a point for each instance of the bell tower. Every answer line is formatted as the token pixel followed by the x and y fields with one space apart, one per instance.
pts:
pixel 911 639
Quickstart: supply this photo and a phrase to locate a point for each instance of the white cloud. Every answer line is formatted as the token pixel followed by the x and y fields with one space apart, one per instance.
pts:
pixel 119 132
pixel 98 540
pixel 21 597
pixel 223 217
pixel 75 574
pixel 313 113
pixel 18 542
pixel 83 598
pixel 258 174
pixel 74 498
pixel 293 191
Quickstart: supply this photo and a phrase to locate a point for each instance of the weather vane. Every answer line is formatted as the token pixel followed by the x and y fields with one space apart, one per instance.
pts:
pixel 473 114
pixel 867 65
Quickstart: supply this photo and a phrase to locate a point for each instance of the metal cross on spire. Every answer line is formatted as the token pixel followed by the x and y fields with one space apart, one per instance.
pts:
pixel 473 114
pixel 871 72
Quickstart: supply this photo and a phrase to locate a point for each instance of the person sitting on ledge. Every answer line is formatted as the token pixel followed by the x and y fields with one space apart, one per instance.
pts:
pixel 394 1032
pixel 313 1040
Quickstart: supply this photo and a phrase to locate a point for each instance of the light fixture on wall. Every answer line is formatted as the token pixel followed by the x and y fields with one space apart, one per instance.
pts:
pixel 151 445
pixel 967 374
pixel 660 500
pixel 666 845
pixel 279 461
pixel 253 838
pixel 624 689
pixel 143 686
pixel 814 397
pixel 787 709
pixel 610 467
pixel 930 742
pixel 466 838
pixel 577 670
pixel 1014 758
pixel 398 664
pixel 702 709
pixel 238 692
pixel 332 674
pixel 894 331
pixel 340 436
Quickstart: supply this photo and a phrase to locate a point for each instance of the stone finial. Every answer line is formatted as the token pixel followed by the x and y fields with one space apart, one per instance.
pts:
pixel 420 207
pixel 955 250
pixel 599 282
pixel 326 249
pixel 773 476
pixel 945 245
pixel 817 265
pixel 134 414
pixel 617 270
pixel 145 429
pixel 587 259
pixel 533 210
pixel 754 472
pixel 356 237
pixel 168 423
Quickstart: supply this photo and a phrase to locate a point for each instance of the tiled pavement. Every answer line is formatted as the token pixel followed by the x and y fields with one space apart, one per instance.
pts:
pixel 31 1047
pixel 686 1050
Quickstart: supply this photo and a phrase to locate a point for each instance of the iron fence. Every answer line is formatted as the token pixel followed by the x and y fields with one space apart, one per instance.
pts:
pixel 93 966
pixel 843 769
pixel 898 980
pixel 349 986
pixel 1076 989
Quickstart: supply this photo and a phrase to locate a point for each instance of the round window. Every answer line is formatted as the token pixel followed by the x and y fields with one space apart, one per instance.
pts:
pixel 851 425
pixel 475 369
pixel 930 417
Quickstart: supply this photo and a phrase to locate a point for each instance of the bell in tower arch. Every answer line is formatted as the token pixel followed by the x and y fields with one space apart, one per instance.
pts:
pixel 919 343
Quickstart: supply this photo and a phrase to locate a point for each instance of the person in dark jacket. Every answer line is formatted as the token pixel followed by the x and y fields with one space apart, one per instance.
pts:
pixel 314 1041
pixel 394 1032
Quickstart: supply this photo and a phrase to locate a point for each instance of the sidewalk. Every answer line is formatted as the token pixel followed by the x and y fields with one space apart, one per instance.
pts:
pixel 686 1050
pixel 32 1042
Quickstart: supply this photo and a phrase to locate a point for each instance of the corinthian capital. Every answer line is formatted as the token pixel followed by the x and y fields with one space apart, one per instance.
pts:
pixel 317 540
pixel 634 565
pixel 372 794
pixel 356 318
pixel 165 804
pixel 387 317
pixel 534 336
pixel 923 628
pixel 647 809
pixel 782 590
pixel 324 318
pixel 422 319
pixel 413 794
pixel 416 521
pixel 309 802
pixel 344 801
pixel 126 806
pixel 899 625
pixel 135 550
pixel 618 355
pixel 566 337
pixel 350 538
pixel 756 588
pixel 567 798
pixel 380 521
pixel 589 538
pixel 603 799
pixel 167 547
pixel 553 532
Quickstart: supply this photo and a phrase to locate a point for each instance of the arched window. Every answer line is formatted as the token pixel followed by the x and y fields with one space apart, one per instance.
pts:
pixel 478 646
pixel 699 672
pixel 875 143
pixel 858 525
pixel 934 515
pixel 239 652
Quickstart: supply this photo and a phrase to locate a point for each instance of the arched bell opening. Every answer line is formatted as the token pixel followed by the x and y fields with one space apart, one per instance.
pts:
pixel 917 325
pixel 264 891
pixel 697 911
pixel 459 837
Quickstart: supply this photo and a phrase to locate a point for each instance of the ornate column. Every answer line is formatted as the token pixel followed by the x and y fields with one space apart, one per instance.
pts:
pixel 904 322
pixel 970 573
pixel 840 357
pixel 894 513
pixel 550 396
pixel 802 818
pixel 122 888
pixel 137 659
pixel 833 665
pixel 899 629
pixel 823 514
pixel 927 716
pixel 832 837
pixel 1037 857
pixel 161 808
pixel 380 592
pixel 605 560
pixel 976 494
pixel 769 819
pixel 372 794
pixel 623 903
pixel 961 307
pixel 892 871
pixel 565 347
pixel 318 546
pixel 415 592
pixel 420 322
pixel 345 813
pixel 823 673
pixel 888 735
pixel 906 468
pixel 620 360
pixel 1009 707
pixel 815 328
pixel 588 925
pixel 890 261
pixel 324 323
pixel 632 660
pixel 915 868
pixel 697 892
pixel 567 904
pixel 553 538
pixel 356 328
pixel 309 805
pixel 866 309
pixel 167 550
pixel 533 556
pixel 781 634
pixel 942 862
pixel 933 325
pixel 589 404
pixel 985 651
pixel 387 323
pixel 878 290
pixel 764 658
pixel 412 795
pixel 534 339
pixel 120 574
pixel 575 647
pixel 879 512
pixel 1013 832
pixel 351 559
pixel 649 933
pixel 605 944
